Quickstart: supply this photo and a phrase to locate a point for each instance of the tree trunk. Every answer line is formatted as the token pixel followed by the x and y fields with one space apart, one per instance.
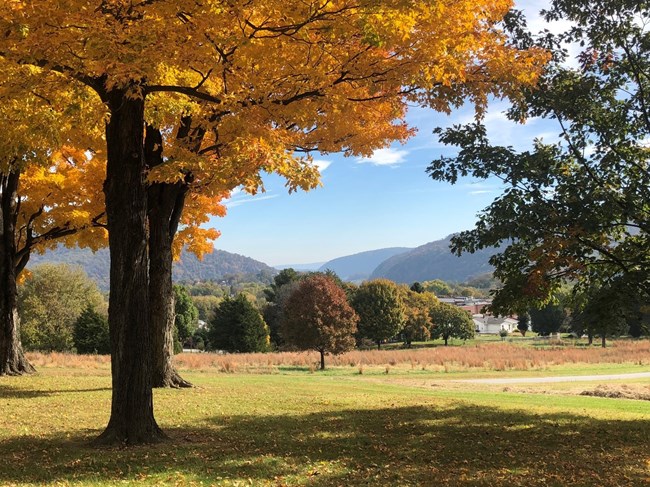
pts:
pixel 12 359
pixel 603 341
pixel 132 419
pixel 378 344
pixel 163 214
pixel 446 340
pixel 590 336
pixel 322 359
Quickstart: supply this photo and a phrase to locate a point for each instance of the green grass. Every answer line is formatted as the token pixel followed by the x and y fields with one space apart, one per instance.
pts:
pixel 337 428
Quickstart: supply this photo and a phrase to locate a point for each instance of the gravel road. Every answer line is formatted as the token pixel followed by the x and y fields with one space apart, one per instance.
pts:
pixel 572 378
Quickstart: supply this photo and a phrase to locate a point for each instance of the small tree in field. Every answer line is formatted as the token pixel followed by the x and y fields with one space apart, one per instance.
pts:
pixel 317 316
pixel 237 326
pixel 418 306
pixel 451 321
pixel 380 308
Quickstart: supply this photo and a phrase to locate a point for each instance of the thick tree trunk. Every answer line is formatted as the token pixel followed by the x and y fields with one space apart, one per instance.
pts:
pixel 446 340
pixel 378 344
pixel 162 209
pixel 12 359
pixel 590 338
pixel 132 419
pixel 603 341
pixel 322 359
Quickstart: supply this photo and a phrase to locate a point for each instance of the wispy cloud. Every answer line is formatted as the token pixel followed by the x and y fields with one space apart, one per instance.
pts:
pixel 238 200
pixel 322 164
pixel 385 157
pixel 481 191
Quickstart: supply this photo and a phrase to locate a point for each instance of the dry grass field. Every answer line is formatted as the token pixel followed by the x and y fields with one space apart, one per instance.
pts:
pixel 486 357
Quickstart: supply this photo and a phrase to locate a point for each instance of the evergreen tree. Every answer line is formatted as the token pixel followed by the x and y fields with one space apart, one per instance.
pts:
pixel 237 326
pixel 91 333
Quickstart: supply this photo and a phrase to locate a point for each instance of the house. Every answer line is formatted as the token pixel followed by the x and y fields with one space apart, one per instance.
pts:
pixel 485 323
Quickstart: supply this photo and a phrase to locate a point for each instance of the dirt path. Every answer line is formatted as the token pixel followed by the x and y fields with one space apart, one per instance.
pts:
pixel 572 378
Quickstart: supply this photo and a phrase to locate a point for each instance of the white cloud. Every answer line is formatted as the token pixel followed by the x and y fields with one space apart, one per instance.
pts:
pixel 238 201
pixel 322 164
pixel 385 157
pixel 481 191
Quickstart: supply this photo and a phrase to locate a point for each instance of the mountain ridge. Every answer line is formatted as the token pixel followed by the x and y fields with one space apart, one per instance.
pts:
pixel 214 266
pixel 434 260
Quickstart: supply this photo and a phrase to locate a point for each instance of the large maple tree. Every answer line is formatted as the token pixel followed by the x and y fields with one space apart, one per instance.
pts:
pixel 272 79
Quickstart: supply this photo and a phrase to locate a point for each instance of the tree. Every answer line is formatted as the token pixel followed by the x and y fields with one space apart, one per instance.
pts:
pixel 283 286
pixel 418 307
pixel 549 319
pixel 269 81
pixel 380 308
pixel 187 315
pixel 523 322
pixel 601 311
pixel 237 326
pixel 451 321
pixel 205 306
pixel 47 188
pixel 317 316
pixel 417 287
pixel 90 333
pixel 50 302
pixel 576 209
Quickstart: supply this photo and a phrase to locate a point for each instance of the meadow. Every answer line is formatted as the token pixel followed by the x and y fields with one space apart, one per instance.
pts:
pixel 395 417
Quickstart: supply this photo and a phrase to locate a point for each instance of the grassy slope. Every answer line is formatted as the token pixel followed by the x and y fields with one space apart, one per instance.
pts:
pixel 334 429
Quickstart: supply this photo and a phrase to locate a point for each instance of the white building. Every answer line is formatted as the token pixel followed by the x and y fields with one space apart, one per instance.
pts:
pixel 489 324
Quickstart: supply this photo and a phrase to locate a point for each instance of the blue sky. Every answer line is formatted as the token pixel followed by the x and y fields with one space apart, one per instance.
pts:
pixel 365 204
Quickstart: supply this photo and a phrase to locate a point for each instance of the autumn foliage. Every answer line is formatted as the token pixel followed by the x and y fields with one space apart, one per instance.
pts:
pixel 317 316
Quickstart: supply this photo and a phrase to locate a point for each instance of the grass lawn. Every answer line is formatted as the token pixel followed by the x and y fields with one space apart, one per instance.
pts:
pixel 337 428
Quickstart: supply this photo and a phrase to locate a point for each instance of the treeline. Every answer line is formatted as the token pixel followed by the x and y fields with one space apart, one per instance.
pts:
pixel 63 310
pixel 319 311
pixel 597 312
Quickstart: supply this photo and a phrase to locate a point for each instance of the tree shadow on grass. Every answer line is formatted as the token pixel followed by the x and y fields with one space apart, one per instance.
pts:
pixel 9 392
pixel 459 445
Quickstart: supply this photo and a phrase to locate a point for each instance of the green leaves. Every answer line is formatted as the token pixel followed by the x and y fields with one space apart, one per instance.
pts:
pixel 579 209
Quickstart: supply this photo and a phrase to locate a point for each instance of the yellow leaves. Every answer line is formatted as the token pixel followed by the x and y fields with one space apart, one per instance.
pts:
pixel 66 194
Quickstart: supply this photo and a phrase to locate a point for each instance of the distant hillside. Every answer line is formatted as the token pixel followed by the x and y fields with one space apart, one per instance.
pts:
pixel 213 267
pixel 314 266
pixel 434 260
pixel 360 266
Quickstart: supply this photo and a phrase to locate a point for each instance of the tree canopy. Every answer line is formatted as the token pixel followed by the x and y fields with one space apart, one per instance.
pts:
pixel 265 82
pixel 451 321
pixel 380 307
pixel 575 209
pixel 317 316
pixel 237 326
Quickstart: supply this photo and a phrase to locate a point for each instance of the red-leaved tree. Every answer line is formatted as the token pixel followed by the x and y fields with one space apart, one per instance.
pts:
pixel 317 316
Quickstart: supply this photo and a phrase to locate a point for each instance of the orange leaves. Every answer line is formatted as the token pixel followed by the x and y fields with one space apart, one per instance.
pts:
pixel 65 195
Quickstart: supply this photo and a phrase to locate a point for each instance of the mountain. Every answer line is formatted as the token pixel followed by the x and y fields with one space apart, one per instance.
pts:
pixel 434 260
pixel 213 267
pixel 314 266
pixel 359 266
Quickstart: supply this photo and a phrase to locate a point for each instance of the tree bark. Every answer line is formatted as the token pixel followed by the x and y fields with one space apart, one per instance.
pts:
pixel 603 341
pixel 322 359
pixel 132 420
pixel 12 358
pixel 446 340
pixel 164 200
